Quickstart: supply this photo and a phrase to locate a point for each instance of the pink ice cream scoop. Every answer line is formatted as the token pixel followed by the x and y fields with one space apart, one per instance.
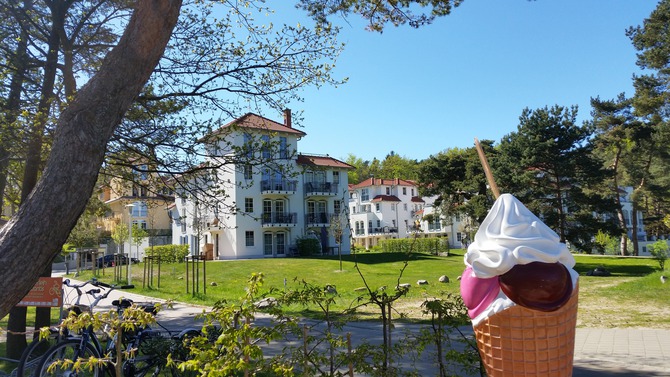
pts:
pixel 478 293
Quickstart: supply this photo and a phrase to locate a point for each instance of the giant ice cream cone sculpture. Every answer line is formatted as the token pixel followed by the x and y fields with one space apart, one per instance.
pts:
pixel 521 292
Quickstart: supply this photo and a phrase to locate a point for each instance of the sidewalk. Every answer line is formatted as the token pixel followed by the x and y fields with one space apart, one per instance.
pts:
pixel 598 352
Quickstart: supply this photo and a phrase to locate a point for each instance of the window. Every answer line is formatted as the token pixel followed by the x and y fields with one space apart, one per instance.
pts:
pixel 248 174
pixel 459 237
pixel 247 147
pixel 336 177
pixel 337 207
pixel 142 224
pixel 142 170
pixel 280 243
pixel 404 206
pixel 267 208
pixel 265 147
pixel 283 148
pixel 393 206
pixel 249 237
pixel 365 194
pixel 139 209
pixel 412 192
pixel 404 190
pixel 378 207
pixel 369 224
pixel 379 223
pixel 388 191
pixel 267 243
pixel 248 205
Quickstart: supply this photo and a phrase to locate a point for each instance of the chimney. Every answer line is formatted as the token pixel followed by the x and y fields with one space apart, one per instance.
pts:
pixel 287 118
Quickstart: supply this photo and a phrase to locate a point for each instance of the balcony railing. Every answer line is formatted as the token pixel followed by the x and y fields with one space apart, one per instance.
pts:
pixel 279 219
pixel 318 218
pixel 320 188
pixel 283 185
pixel 382 230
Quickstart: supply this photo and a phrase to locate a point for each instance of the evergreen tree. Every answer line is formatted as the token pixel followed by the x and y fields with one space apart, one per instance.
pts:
pixel 548 164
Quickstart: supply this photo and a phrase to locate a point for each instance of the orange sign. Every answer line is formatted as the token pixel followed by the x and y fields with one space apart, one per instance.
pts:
pixel 47 292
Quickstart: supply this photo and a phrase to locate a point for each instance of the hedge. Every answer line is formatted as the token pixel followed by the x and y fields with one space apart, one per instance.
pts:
pixel 416 245
pixel 169 253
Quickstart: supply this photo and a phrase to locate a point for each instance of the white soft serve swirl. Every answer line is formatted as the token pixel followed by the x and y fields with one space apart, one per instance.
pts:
pixel 511 235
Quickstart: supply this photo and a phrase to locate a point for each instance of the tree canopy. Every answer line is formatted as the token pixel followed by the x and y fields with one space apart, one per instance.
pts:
pixel 88 119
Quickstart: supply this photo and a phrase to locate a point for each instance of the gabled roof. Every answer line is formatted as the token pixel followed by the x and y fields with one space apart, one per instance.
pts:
pixel 385 198
pixel 384 182
pixel 254 121
pixel 321 161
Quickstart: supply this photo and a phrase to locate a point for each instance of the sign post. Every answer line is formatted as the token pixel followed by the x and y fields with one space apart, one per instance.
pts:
pixel 47 293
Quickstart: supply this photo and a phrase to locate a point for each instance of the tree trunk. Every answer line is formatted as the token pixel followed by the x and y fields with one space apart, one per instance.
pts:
pixel 32 237
pixel 16 338
pixel 633 235
pixel 623 245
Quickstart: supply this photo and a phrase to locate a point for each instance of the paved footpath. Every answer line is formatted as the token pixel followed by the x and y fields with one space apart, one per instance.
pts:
pixel 598 352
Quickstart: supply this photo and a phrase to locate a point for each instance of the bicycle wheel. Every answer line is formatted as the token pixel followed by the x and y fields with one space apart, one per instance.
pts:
pixel 69 349
pixel 31 357
pixel 180 351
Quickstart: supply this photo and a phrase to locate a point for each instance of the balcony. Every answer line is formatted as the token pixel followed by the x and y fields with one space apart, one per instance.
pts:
pixel 320 189
pixel 382 230
pixel 282 186
pixel 318 219
pixel 279 220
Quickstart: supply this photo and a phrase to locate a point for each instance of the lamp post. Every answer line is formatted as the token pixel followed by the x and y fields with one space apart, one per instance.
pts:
pixel 130 240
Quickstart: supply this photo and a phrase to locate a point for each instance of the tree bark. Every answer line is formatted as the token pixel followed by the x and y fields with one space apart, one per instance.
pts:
pixel 16 339
pixel 32 238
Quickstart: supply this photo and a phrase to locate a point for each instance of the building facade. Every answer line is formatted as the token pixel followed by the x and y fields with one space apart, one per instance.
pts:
pixel 261 195
pixel 143 202
pixel 382 209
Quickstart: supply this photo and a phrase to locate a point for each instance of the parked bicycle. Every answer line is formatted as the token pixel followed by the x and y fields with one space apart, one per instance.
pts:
pixel 144 349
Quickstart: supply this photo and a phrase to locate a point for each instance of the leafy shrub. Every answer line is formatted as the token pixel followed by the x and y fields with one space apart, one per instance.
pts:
pixel 659 250
pixel 169 253
pixel 308 246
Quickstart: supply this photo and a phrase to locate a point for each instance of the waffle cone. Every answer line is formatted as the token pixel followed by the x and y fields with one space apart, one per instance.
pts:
pixel 524 342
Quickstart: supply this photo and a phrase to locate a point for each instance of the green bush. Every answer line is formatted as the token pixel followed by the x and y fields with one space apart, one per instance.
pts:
pixel 659 250
pixel 308 246
pixel 168 253
pixel 416 245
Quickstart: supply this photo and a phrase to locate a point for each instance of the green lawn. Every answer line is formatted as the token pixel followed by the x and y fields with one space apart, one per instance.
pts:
pixel 379 269
pixel 633 296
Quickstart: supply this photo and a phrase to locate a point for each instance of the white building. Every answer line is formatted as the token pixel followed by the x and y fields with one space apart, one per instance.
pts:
pixel 282 196
pixel 382 209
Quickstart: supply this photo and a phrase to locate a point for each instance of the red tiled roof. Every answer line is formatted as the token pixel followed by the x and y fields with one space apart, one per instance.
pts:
pixel 324 161
pixel 385 182
pixel 251 120
pixel 385 198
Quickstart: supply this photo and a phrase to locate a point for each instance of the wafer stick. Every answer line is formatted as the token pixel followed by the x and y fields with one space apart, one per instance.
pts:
pixel 487 169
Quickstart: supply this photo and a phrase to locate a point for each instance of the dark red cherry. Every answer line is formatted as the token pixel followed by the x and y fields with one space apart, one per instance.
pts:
pixel 538 285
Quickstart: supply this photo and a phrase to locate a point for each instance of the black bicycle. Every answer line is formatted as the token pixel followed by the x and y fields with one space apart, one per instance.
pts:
pixel 145 349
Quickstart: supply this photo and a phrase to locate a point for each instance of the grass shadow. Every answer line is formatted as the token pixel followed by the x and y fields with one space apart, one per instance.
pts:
pixel 380 258
pixel 616 269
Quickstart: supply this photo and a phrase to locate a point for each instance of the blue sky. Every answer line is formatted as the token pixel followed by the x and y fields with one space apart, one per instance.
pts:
pixel 421 91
